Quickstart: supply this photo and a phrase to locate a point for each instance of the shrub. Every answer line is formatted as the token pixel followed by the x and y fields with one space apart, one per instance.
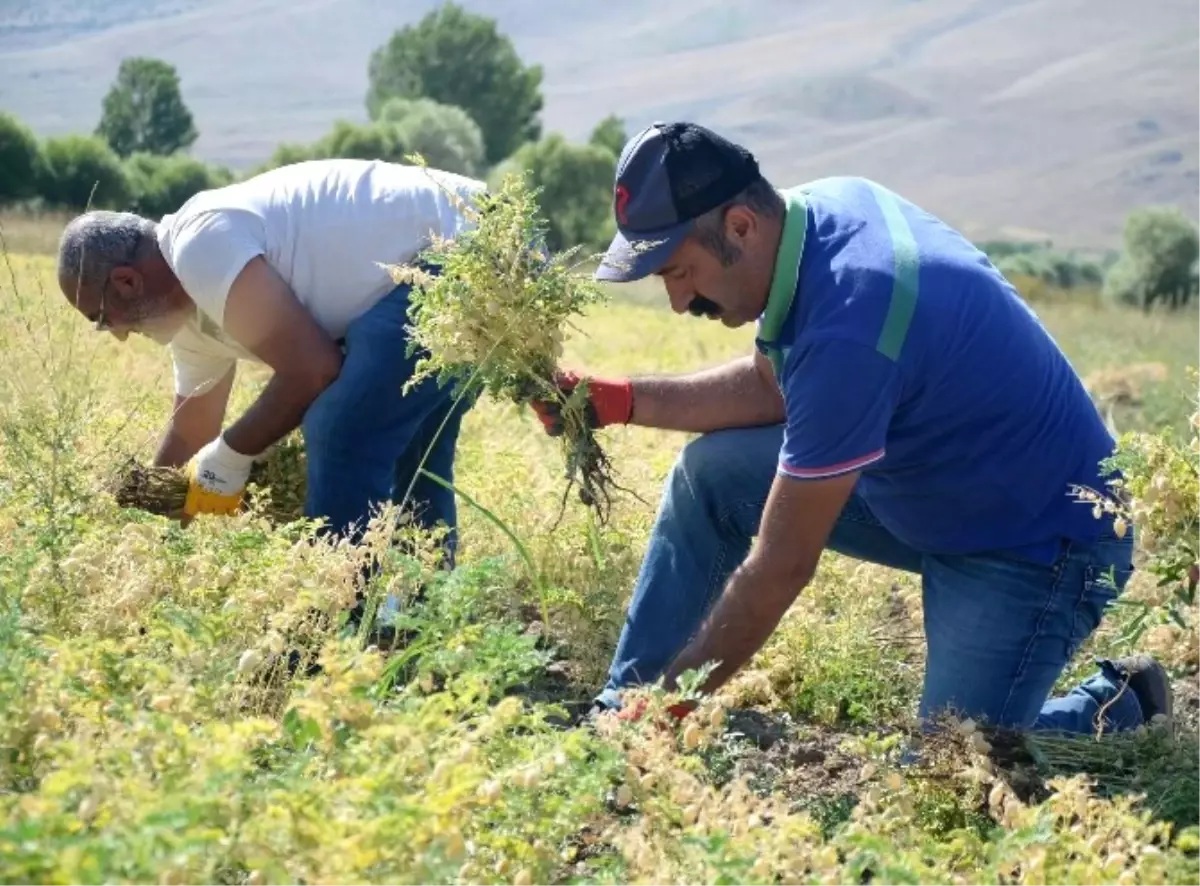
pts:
pixel 159 185
pixel 373 141
pixel 21 161
pixel 574 184
pixel 1157 494
pixel 75 164
pixel 444 135
pixel 1159 261
pixel 286 154
pixel 1053 268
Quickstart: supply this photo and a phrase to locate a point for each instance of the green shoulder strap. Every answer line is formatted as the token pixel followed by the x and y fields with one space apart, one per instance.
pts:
pixel 907 276
pixel 905 284
pixel 783 283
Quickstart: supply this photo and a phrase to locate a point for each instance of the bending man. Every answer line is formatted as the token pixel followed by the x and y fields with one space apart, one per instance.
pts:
pixel 282 269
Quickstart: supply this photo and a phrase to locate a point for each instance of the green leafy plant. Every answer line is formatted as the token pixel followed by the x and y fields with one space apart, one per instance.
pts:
pixel 1157 495
pixel 490 312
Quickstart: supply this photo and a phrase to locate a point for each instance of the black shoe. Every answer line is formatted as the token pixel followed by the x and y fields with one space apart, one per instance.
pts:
pixel 597 709
pixel 311 669
pixel 1149 683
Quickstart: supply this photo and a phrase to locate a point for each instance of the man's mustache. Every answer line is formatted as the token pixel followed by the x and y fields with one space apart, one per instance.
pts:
pixel 700 306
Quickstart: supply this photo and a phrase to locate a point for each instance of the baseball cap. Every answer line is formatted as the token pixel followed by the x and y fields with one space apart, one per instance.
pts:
pixel 668 175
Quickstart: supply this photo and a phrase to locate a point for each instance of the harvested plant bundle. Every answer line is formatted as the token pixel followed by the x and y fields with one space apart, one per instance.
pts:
pixel 277 483
pixel 488 310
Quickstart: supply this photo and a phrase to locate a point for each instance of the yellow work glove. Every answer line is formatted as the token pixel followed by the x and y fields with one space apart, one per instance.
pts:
pixel 217 479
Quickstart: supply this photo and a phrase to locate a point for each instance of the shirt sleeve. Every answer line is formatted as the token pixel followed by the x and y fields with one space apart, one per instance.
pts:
pixel 208 253
pixel 196 371
pixel 839 397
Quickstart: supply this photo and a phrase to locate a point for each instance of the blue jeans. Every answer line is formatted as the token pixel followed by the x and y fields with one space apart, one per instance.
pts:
pixel 365 439
pixel 998 630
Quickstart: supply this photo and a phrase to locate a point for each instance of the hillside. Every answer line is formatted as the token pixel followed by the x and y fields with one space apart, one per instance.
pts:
pixel 1010 117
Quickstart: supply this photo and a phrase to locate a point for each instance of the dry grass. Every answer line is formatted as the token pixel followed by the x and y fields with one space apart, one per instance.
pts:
pixel 28 232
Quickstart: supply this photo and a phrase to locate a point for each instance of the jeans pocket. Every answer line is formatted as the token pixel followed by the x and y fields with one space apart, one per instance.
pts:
pixel 1102 585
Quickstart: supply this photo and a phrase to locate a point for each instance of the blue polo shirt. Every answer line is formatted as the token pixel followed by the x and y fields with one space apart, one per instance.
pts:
pixel 906 355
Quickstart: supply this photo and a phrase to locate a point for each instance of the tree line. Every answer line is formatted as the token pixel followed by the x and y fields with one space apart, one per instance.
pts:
pixel 1158 263
pixel 453 88
pixel 450 87
pixel 134 160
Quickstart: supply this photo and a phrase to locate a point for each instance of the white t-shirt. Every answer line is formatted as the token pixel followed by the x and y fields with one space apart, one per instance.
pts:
pixel 322 225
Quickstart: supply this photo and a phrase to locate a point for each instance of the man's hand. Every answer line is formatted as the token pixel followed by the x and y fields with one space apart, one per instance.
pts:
pixel 796 523
pixel 739 394
pixel 636 711
pixel 217 479
pixel 610 402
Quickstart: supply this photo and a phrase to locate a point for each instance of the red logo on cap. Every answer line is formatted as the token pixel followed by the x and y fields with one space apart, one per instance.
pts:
pixel 622 199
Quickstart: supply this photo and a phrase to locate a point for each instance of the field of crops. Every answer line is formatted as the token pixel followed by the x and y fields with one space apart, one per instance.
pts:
pixel 149 732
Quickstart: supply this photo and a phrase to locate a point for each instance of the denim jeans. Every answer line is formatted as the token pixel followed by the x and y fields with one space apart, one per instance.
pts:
pixel 998 630
pixel 365 439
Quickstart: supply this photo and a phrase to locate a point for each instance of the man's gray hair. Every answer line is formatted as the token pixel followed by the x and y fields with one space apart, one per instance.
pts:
pixel 709 230
pixel 96 242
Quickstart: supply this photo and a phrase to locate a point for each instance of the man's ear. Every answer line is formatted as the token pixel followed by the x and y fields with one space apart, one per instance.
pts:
pixel 126 281
pixel 740 223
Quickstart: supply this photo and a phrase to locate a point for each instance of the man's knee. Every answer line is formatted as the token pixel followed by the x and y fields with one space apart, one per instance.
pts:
pixel 708 456
pixel 736 461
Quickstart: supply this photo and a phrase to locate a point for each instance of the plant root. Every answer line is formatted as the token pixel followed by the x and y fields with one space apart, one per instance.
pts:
pixel 277 485
pixel 157 490
pixel 590 472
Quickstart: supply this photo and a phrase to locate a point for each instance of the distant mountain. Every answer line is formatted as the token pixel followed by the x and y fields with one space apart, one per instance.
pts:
pixel 1043 118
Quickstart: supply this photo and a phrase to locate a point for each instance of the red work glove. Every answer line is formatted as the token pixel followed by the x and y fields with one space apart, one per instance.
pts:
pixel 610 402
pixel 634 713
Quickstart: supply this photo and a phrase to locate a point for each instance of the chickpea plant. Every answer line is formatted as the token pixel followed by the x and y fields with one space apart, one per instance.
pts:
pixel 489 308
pixel 190 706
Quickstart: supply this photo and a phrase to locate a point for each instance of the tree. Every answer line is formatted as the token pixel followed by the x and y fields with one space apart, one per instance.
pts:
pixel 21 161
pixel 610 133
pixel 575 183
pixel 457 58
pixel 144 110
pixel 75 164
pixel 445 135
pixel 1161 249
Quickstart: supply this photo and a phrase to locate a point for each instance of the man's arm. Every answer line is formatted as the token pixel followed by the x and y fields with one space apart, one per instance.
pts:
pixel 796 524
pixel 194 421
pixel 742 393
pixel 264 315
pixel 841 399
